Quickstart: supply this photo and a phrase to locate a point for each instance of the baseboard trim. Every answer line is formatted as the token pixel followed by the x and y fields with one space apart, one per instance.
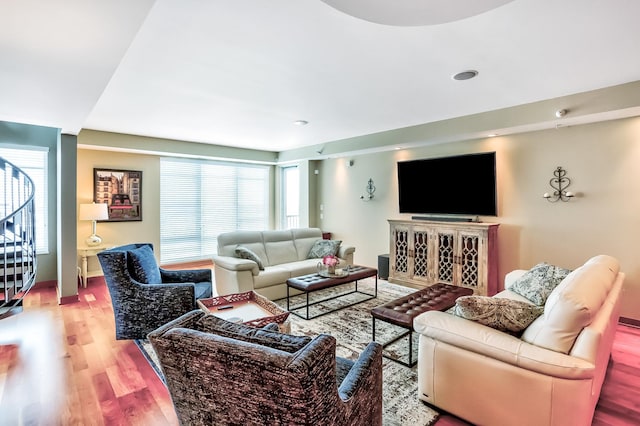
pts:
pixel 196 264
pixel 629 321
pixel 46 284
pixel 69 299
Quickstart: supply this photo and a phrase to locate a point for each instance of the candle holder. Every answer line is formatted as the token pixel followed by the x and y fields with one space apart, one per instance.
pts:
pixel 559 183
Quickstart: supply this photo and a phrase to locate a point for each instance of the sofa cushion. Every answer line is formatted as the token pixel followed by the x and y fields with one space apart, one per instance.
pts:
pixel 281 251
pixel 301 267
pixel 203 290
pixel 246 253
pixel 538 282
pixel 144 266
pixel 304 238
pixel 499 313
pixel 607 261
pixel 571 306
pixel 228 241
pixel 323 248
pixel 271 275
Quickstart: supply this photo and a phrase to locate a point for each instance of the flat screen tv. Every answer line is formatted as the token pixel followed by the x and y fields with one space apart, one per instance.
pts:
pixel 457 185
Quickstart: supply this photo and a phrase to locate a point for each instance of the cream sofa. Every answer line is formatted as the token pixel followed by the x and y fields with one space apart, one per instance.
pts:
pixel 488 377
pixel 283 254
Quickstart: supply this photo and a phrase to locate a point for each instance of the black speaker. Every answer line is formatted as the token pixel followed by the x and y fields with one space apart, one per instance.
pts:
pixel 383 266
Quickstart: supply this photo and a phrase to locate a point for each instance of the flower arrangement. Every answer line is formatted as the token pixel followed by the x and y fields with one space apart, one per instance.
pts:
pixel 330 261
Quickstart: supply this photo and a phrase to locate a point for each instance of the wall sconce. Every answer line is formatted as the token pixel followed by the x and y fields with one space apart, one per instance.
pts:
pixel 370 190
pixel 559 183
pixel 93 212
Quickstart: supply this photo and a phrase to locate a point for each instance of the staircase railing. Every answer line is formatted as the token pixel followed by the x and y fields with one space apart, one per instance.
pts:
pixel 18 261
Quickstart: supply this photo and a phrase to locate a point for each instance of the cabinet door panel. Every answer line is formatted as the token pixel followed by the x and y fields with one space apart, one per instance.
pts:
pixel 400 251
pixel 421 251
pixel 445 249
pixel 469 260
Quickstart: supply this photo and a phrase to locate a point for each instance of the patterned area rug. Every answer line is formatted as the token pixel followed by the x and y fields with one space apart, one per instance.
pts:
pixel 352 328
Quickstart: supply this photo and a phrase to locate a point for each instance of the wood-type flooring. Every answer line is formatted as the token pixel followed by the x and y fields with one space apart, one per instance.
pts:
pixel 61 365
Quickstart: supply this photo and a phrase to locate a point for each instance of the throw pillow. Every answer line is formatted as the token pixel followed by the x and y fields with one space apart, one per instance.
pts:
pixel 144 265
pixel 499 313
pixel 245 253
pixel 323 248
pixel 538 282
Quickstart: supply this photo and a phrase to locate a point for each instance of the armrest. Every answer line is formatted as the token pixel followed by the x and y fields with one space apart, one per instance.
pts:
pixel 474 337
pixel 272 326
pixel 186 320
pixel 345 251
pixel 365 373
pixel 236 264
pixel 186 276
pixel 167 301
pixel 512 276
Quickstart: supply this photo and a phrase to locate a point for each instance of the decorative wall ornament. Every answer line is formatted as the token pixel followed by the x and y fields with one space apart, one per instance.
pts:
pixel 370 190
pixel 559 183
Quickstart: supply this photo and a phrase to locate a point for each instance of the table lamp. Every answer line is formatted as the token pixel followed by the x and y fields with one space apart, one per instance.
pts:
pixel 94 212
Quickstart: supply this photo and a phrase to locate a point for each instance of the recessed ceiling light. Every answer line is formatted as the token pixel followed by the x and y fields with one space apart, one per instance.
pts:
pixel 301 122
pixel 465 75
pixel 492 135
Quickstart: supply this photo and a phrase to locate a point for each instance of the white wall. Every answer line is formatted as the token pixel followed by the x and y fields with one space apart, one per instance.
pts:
pixel 602 160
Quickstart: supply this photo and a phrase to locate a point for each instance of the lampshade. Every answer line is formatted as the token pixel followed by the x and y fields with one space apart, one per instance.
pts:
pixel 94 211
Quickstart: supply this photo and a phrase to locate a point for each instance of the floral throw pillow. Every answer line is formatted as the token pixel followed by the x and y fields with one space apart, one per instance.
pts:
pixel 245 253
pixel 322 248
pixel 538 282
pixel 502 314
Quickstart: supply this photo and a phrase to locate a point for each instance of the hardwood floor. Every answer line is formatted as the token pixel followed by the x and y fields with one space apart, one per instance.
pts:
pixel 61 365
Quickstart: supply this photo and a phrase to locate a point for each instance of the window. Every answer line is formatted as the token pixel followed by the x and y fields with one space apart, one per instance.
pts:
pixel 290 211
pixel 201 199
pixel 33 162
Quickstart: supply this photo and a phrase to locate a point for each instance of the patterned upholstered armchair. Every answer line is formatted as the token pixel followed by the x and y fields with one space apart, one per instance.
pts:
pixel 145 296
pixel 219 373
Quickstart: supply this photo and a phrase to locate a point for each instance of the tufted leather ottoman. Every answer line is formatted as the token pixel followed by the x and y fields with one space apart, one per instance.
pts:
pixel 402 311
pixel 313 282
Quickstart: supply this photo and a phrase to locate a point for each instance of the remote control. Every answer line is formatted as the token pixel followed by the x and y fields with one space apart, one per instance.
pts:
pixel 225 307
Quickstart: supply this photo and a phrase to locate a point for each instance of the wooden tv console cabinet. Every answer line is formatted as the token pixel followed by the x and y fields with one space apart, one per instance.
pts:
pixel 464 254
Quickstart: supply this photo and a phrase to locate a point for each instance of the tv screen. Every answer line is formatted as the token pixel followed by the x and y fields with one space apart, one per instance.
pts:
pixel 463 184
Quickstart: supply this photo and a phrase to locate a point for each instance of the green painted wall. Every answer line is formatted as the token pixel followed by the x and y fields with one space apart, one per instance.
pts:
pixel 48 137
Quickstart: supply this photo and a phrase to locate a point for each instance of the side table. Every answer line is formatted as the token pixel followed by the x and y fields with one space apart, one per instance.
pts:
pixel 85 252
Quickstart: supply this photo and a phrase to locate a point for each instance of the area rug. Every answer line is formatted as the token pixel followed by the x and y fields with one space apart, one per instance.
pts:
pixel 352 328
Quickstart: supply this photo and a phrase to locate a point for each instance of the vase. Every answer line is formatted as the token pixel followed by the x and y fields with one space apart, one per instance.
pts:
pixel 326 270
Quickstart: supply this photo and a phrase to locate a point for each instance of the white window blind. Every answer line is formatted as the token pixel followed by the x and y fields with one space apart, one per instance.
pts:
pixel 33 162
pixel 201 199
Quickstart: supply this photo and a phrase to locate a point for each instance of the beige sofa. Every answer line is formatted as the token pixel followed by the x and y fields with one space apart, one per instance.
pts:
pixel 283 255
pixel 489 377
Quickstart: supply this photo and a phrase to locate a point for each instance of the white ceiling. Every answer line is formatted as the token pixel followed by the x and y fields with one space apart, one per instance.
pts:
pixel 240 72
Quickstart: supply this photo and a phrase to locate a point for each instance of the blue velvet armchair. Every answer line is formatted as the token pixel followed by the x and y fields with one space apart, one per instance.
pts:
pixel 145 296
pixel 221 373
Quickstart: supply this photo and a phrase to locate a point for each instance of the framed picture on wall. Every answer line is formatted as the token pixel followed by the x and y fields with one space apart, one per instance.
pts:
pixel 121 190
